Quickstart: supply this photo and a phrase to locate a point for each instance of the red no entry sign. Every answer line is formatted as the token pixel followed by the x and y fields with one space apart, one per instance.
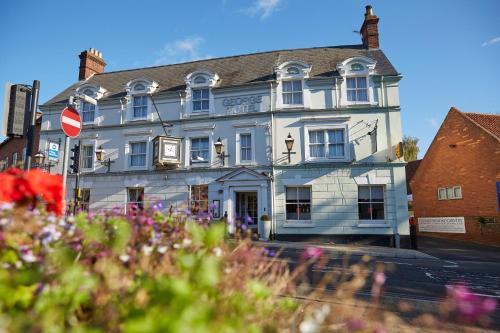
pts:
pixel 71 122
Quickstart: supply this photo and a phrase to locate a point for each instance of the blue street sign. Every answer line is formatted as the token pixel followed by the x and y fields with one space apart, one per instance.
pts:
pixel 53 151
pixel 498 194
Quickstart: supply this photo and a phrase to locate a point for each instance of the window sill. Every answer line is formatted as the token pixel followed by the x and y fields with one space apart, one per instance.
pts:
pixel 199 164
pixel 293 224
pixel 326 160
pixel 137 120
pixel 137 168
pixel 291 106
pixel 369 224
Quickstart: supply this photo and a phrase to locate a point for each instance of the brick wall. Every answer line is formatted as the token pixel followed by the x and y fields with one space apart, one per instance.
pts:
pixel 462 154
pixel 13 145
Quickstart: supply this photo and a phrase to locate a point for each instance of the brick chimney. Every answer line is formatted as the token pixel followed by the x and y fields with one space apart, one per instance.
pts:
pixel 369 29
pixel 91 62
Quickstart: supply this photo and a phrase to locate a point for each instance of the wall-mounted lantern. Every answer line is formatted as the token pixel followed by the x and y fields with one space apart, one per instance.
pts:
pixel 39 160
pixel 99 154
pixel 289 145
pixel 219 149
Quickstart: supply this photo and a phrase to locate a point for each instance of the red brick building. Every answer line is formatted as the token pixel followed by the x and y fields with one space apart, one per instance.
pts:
pixel 459 177
pixel 13 150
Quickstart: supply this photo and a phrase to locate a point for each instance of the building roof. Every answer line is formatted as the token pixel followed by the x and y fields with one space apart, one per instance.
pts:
pixel 488 122
pixel 234 70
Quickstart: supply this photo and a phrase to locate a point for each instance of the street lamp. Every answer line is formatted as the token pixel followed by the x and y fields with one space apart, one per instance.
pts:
pixel 289 145
pixel 219 146
pixel 99 154
pixel 39 159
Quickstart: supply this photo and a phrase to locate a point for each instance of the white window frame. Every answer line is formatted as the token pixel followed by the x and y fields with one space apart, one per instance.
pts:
pixel 345 70
pixel 137 139
pixel 356 77
pixel 299 223
pixel 82 157
pixel 201 99
pixel 449 197
pixel 283 92
pixel 211 80
pixel 83 112
pixel 92 143
pixel 374 223
pixel 250 132
pixel 147 105
pixel 326 127
pixel 149 88
pixel 283 75
pixel 131 143
pixel 200 163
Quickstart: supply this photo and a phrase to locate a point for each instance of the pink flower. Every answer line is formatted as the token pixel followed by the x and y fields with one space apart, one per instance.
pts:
pixel 379 278
pixel 468 305
pixel 354 324
pixel 311 253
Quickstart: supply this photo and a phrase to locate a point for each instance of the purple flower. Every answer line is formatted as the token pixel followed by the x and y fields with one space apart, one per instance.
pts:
pixel 468 305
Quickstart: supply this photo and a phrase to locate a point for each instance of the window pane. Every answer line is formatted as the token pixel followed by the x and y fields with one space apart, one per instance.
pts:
pixel 316 136
pixel 449 192
pixel 335 150
pixel 291 194
pixel 362 95
pixel 297 98
pixel 351 95
pixel 292 211
pixel 287 98
pixel 304 194
pixel 351 82
pixel 378 211
pixel 196 105
pixel 304 212
pixel 377 193
pixel 457 191
pixel 204 104
pixel 363 194
pixel 204 93
pixel 297 85
pixel 361 82
pixel 364 211
pixel 196 94
pixel 287 86
pixel 442 193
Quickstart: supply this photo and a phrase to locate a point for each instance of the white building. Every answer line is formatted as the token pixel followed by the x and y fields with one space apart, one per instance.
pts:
pixel 339 104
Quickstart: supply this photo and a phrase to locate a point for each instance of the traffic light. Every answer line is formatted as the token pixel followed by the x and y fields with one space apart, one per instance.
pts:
pixel 75 158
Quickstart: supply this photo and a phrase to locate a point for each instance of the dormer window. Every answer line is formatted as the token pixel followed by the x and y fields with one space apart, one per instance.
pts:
pixel 292 92
pixel 357 84
pixel 201 100
pixel 292 89
pixel 139 107
pixel 199 97
pixel 89 111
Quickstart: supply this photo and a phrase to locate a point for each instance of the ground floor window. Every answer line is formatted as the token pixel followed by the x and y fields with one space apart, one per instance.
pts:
pixel 199 199
pixel 371 202
pixel 85 199
pixel 298 203
pixel 135 198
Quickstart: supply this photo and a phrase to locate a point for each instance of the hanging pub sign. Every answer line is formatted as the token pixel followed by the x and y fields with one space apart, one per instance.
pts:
pixel 166 151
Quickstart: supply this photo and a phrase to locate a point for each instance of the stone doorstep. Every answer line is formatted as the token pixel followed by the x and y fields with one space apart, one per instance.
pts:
pixel 357 250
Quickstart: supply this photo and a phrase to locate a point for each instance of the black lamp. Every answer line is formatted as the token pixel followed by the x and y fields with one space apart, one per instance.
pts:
pixel 99 154
pixel 219 149
pixel 289 145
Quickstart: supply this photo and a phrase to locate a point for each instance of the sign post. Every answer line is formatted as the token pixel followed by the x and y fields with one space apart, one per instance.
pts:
pixel 71 124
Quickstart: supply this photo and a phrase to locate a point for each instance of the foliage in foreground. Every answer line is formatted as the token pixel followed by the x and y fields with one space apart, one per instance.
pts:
pixel 150 272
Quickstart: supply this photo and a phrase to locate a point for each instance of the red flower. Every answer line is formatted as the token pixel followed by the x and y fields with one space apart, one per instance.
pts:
pixel 28 187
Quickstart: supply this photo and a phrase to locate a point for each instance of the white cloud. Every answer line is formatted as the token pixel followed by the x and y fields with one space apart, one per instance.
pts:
pixel 491 41
pixel 182 50
pixel 263 8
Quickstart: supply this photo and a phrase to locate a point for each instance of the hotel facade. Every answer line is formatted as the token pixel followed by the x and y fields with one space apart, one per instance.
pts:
pixel 213 135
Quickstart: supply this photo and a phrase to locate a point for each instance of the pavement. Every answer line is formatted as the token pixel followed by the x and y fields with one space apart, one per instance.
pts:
pixel 352 250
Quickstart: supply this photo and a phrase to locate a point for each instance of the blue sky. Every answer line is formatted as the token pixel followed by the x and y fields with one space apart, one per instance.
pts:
pixel 447 51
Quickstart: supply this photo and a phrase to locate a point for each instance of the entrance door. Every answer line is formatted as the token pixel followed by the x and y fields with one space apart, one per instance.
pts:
pixel 246 207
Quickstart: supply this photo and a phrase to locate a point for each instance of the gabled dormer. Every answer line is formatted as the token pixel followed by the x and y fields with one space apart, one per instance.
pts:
pixel 292 90
pixel 356 84
pixel 139 106
pixel 199 98
pixel 88 111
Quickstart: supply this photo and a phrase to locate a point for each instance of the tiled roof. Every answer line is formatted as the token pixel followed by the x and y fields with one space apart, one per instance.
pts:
pixel 489 122
pixel 235 70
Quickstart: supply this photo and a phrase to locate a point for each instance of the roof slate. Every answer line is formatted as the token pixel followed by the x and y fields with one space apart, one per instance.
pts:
pixel 234 70
pixel 489 122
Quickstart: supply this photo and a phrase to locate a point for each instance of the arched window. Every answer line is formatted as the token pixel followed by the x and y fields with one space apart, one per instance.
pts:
pixel 137 94
pixel 357 85
pixel 291 77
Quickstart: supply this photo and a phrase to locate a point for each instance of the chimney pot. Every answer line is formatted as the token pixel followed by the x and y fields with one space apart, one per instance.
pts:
pixel 91 62
pixel 369 29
